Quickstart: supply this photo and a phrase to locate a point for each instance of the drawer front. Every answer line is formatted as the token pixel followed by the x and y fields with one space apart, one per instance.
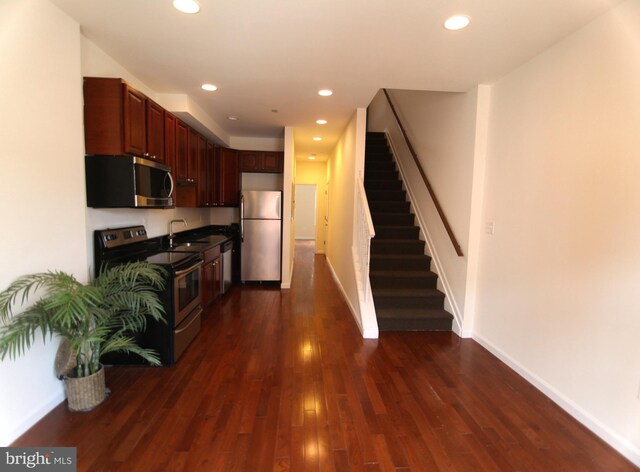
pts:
pixel 211 254
pixel 186 332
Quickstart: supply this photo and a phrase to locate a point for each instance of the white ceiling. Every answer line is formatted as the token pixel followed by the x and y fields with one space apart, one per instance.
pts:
pixel 269 55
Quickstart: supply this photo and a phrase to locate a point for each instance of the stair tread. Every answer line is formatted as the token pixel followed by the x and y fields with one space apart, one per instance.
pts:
pixel 425 273
pixel 413 313
pixel 406 292
pixel 399 256
pixel 393 226
pixel 399 241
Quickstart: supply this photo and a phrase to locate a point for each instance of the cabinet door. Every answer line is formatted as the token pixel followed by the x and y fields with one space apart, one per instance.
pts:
pixel 212 173
pixel 228 178
pixel 170 141
pixel 192 160
pixel 204 193
pixel 250 161
pixel 217 279
pixel 103 109
pixel 273 162
pixel 135 130
pixel 155 131
pixel 207 284
pixel 182 151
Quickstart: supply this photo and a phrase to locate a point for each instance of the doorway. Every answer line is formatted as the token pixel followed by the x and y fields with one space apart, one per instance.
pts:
pixel 305 212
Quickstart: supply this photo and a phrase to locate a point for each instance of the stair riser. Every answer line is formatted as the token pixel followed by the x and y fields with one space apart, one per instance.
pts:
pixel 414 325
pixel 400 264
pixel 378 175
pixel 378 158
pixel 387 196
pixel 408 302
pixel 410 232
pixel 389 207
pixel 382 185
pixel 384 281
pixel 406 247
pixel 377 145
pixel 392 219
pixel 379 166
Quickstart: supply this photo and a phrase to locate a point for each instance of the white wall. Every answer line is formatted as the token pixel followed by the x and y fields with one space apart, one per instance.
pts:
pixel 42 198
pixel 256 144
pixel 559 279
pixel 442 127
pixel 345 165
pixel 288 223
pixel 305 211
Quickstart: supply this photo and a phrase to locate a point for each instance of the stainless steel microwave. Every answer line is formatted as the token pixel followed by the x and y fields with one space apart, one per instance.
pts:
pixel 127 181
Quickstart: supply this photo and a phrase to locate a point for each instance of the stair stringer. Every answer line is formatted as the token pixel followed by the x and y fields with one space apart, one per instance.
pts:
pixel 450 300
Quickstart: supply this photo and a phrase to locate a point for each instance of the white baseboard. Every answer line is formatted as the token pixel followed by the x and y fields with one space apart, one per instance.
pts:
pixel 619 443
pixel 32 419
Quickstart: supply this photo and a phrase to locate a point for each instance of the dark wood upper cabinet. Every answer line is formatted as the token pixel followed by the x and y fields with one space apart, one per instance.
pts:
pixel 103 116
pixel 135 129
pixel 170 141
pixel 261 161
pixel 155 132
pixel 182 151
pixel 228 177
pixel 192 159
pixel 273 161
pixel 212 174
pixel 250 161
pixel 203 174
pixel 119 120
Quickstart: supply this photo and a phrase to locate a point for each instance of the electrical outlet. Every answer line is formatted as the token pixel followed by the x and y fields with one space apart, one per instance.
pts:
pixel 489 227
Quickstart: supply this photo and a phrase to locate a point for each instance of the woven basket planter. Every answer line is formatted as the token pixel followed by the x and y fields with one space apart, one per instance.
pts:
pixel 85 393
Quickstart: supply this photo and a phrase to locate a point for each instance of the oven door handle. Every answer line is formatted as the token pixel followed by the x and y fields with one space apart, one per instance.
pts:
pixel 189 269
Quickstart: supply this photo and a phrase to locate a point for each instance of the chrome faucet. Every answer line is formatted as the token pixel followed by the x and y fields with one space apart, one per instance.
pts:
pixel 171 235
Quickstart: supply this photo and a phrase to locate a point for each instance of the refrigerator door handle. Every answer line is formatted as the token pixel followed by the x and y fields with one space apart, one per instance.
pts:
pixel 241 218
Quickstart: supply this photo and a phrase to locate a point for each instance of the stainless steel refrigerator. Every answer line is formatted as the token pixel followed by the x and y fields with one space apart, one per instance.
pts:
pixel 260 235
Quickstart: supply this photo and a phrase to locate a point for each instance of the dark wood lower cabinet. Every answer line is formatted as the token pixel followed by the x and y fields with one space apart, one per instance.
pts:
pixel 211 276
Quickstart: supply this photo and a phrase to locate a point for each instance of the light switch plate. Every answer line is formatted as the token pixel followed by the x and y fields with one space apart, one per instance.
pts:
pixel 489 227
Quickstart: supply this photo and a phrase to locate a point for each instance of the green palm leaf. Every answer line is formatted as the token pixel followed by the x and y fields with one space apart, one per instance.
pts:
pixel 96 319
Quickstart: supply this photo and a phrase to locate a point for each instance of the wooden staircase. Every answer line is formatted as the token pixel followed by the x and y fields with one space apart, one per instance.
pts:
pixel 404 288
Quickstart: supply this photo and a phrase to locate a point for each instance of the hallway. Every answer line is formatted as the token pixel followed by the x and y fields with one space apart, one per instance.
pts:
pixel 282 380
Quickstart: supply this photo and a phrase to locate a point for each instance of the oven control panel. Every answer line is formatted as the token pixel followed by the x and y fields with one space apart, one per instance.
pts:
pixel 110 238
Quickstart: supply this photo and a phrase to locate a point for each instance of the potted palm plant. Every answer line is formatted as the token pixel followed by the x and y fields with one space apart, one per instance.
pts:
pixel 92 320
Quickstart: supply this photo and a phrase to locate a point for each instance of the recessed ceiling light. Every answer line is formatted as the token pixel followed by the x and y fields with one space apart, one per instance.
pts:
pixel 325 92
pixel 317 138
pixel 312 157
pixel 321 122
pixel 209 87
pixel 232 118
pixel 457 22
pixel 186 6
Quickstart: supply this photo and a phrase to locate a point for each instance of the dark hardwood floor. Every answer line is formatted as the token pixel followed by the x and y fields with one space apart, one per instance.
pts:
pixel 282 380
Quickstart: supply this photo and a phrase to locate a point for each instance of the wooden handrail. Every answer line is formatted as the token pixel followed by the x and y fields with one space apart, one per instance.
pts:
pixel 443 217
